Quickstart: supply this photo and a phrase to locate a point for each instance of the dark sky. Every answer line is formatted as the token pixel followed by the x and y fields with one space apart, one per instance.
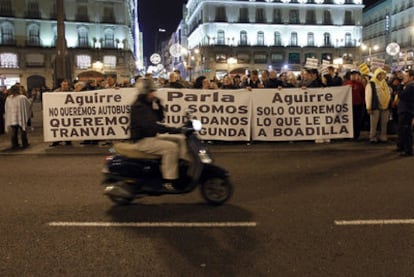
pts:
pixel 155 14
pixel 166 14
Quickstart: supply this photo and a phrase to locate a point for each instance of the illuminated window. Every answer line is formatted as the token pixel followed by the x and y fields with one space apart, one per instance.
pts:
pixel 109 41
pixel 109 61
pixel 278 39
pixel 83 61
pixel 348 40
pixel 8 60
pixel 260 38
pixel 243 38
pixel 294 39
pixel 83 40
pixel 7 33
pixel 327 39
pixel 33 35
pixel 311 39
pixel 221 37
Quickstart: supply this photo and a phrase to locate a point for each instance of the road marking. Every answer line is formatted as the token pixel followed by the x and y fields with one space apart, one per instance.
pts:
pixel 375 222
pixel 155 224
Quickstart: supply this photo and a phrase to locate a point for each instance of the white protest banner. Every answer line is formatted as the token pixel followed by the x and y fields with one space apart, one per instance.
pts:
pixel 377 63
pixel 311 63
pixel 100 114
pixel 230 115
pixel 225 114
pixel 302 114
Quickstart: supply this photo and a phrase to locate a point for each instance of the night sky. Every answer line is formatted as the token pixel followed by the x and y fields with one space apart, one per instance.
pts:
pixel 166 14
pixel 155 14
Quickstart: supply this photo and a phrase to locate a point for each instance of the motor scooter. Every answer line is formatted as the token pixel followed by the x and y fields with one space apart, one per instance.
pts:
pixel 131 174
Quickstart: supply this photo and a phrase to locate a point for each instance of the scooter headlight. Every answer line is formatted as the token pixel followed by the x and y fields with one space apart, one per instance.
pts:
pixel 196 124
pixel 204 157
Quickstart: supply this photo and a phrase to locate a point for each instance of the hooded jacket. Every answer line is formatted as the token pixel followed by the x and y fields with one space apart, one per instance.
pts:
pixel 377 93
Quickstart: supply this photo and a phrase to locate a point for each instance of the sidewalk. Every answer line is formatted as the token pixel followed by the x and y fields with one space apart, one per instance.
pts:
pixel 39 147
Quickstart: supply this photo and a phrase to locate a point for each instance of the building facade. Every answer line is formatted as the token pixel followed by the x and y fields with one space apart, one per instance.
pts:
pixel 390 21
pixel 100 37
pixel 232 36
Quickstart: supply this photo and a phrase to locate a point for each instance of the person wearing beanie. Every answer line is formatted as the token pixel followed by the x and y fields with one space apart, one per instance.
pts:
pixel 152 137
pixel 377 99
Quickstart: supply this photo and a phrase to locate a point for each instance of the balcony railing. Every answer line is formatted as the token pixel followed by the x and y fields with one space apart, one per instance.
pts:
pixel 34 42
pixel 33 14
pixel 82 18
pixel 108 19
pixel 8 42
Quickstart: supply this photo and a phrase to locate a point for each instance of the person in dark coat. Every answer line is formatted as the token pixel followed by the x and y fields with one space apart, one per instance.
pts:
pixel 152 137
pixel 315 80
pixel 405 116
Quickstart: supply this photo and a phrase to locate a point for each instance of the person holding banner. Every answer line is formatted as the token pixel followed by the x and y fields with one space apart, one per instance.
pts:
pixel 273 81
pixel 358 101
pixel 152 137
pixel 377 99
pixel 253 81
pixel 64 87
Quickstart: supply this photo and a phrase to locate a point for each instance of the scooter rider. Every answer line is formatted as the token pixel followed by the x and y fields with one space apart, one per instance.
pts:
pixel 152 137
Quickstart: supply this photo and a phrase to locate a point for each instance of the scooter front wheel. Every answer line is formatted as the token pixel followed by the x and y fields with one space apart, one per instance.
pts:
pixel 216 190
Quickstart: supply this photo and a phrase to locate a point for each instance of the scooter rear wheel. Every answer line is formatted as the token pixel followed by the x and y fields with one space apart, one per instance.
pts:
pixel 118 194
pixel 216 190
pixel 120 200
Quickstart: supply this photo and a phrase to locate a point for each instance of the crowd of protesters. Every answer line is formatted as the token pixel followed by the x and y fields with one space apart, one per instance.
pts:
pixel 376 97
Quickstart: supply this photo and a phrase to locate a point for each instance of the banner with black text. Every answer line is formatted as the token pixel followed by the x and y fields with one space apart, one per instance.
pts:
pixel 229 115
pixel 225 114
pixel 87 115
pixel 302 114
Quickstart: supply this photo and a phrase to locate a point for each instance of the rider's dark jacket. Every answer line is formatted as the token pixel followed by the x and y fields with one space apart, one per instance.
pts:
pixel 146 117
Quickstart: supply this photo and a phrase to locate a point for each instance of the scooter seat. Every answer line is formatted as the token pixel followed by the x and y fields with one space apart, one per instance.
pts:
pixel 129 150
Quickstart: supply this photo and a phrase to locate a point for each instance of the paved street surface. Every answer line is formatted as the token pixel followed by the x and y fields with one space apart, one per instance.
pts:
pixel 299 209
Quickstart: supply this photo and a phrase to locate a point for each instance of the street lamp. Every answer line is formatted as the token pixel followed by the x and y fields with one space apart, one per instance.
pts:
pixel 365 47
pixel 230 62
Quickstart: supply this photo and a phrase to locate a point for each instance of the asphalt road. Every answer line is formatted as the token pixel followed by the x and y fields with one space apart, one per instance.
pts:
pixel 296 199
